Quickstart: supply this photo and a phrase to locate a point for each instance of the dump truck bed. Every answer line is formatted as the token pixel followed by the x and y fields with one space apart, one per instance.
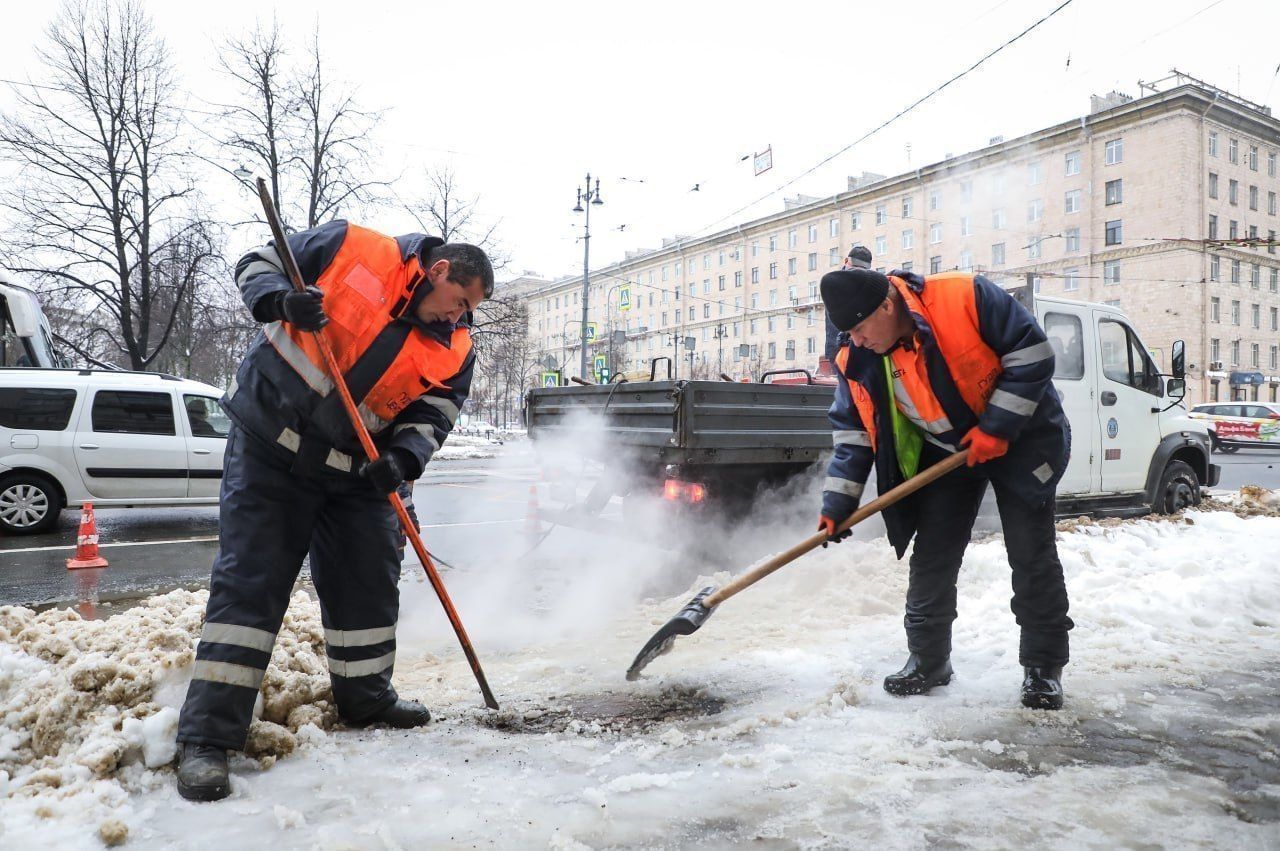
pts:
pixel 693 423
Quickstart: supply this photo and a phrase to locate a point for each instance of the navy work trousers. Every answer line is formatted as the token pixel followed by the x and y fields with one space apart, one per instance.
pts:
pixel 946 511
pixel 270 518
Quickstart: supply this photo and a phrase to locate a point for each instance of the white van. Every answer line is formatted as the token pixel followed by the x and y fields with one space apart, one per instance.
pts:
pixel 117 439
pixel 1134 447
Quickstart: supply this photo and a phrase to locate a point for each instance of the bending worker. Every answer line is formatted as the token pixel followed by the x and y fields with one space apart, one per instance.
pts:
pixel 397 313
pixel 930 365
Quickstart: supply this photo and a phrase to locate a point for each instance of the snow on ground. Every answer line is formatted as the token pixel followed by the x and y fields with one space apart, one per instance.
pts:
pixel 460 447
pixel 767 726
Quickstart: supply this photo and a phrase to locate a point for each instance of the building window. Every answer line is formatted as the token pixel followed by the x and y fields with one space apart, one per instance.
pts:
pixel 935 265
pixel 935 233
pixel 813 233
pixel 966 191
pixel 1235 271
pixel 773 298
pixel 882 245
pixel 720 283
pixel 907 265
pixel 1113 232
pixel 1215 309
pixel 1114 151
pixel 1035 173
pixel 793 264
pixel 773 242
pixel 811 346
pixel 773 349
pixel 1233 192
pixel 755 248
pixel 1253 354
pixel 1275 280
pixel 1255 276
pixel 1034 250
pixel 793 238
pixel 1235 311
pixel 1235 352
pixel 1215 349
pixel 855 221
pixel 706 311
pixel 1213 227
pixel 1072 204
pixel 833 227
pixel 1035 210
pixel 1111 272
pixel 908 239
pixel 1275 319
pixel 773 271
pixel 1213 185
pixel 1275 350
pixel 693 313
pixel 1071 279
pixel 737 279
pixel 1253 158
pixel 706 286
pixel 1213 144
pixel 1271 203
pixel 1255 316
pixel 998 220
pixel 755 274
pixel 1271 164
pixel 813 291
pixel 997 254
pixel 935 197
pixel 966 260
pixel 1072 237
pixel 908 207
pixel 1115 191
pixel 1233 151
pixel 966 228
pixel 882 214
pixel 1072 163
pixel 1233 229
pixel 833 257
pixel 755 301
pixel 813 261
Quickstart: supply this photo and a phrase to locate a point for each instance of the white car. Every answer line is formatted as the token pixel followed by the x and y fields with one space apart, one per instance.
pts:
pixel 116 439
pixel 1234 425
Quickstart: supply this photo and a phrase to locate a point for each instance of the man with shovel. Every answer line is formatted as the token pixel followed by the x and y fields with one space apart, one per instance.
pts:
pixel 930 365
pixel 396 313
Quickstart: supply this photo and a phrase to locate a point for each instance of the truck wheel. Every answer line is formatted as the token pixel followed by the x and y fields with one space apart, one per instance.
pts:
pixel 29 504
pixel 1179 488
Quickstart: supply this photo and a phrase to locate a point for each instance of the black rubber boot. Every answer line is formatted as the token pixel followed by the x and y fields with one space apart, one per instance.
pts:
pixel 920 674
pixel 1042 688
pixel 202 773
pixel 403 715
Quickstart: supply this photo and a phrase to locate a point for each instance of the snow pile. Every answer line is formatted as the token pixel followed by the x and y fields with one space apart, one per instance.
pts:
pixel 86 706
pixel 459 447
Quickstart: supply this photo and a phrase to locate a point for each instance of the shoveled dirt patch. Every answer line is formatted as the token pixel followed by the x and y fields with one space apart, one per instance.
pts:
pixel 606 713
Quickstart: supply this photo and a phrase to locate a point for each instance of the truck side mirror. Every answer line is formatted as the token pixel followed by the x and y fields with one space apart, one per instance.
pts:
pixel 1177 387
pixel 1179 360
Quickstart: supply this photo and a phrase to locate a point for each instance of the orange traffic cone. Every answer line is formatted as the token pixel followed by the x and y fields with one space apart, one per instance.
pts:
pixel 86 542
pixel 532 525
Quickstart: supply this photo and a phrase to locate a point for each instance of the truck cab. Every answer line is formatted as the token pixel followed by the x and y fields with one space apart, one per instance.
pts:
pixel 1134 447
pixel 25 337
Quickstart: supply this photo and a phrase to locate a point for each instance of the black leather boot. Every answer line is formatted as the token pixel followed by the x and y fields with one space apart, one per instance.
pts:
pixel 1042 688
pixel 403 714
pixel 202 773
pixel 920 674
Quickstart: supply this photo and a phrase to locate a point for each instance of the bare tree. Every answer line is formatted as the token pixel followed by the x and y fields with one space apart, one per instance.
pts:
pixel 103 195
pixel 261 125
pixel 334 149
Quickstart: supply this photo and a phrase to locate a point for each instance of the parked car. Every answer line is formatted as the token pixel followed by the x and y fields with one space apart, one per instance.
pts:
pixel 1234 425
pixel 117 439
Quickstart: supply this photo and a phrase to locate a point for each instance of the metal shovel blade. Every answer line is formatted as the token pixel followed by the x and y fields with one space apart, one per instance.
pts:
pixel 686 622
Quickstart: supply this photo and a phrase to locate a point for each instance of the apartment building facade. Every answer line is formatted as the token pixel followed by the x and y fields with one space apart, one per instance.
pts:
pixel 1165 206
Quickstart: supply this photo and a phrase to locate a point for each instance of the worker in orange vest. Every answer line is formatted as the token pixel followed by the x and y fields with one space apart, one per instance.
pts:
pixel 930 365
pixel 397 313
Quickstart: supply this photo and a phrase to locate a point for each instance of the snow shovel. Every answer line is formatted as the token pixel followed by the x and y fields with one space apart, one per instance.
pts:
pixel 366 442
pixel 696 612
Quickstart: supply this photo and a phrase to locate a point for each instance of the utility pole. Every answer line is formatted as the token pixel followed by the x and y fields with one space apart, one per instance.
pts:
pixel 592 197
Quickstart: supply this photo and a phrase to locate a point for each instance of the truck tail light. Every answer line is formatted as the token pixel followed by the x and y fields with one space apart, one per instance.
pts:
pixel 675 490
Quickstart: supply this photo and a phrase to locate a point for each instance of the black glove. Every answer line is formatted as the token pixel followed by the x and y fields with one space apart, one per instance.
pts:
pixel 304 309
pixel 387 472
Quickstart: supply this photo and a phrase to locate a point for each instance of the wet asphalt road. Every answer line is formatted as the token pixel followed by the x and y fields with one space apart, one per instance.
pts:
pixel 459 503
pixel 152 550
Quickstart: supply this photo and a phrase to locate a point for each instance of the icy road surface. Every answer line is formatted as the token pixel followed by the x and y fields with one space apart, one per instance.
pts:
pixel 769 725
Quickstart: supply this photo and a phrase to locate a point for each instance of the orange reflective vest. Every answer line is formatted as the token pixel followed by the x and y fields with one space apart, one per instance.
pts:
pixel 949 305
pixel 367 286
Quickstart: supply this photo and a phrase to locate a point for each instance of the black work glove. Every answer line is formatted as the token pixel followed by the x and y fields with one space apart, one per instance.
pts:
pixel 304 309
pixel 387 472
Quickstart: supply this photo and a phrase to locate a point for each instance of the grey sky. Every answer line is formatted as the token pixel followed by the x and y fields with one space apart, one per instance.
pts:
pixel 521 98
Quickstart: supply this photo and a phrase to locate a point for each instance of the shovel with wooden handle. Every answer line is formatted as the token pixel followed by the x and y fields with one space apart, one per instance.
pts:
pixel 696 612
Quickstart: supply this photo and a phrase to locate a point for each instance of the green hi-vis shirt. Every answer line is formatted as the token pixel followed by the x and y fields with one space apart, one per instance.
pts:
pixel 907 436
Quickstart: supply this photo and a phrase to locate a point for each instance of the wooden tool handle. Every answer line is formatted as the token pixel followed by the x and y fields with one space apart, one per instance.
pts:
pixel 875 506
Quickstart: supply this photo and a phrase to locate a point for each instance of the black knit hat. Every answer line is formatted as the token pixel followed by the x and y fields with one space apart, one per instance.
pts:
pixel 852 294
pixel 860 256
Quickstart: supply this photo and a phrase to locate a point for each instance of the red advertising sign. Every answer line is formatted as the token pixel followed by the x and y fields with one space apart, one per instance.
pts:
pixel 1237 430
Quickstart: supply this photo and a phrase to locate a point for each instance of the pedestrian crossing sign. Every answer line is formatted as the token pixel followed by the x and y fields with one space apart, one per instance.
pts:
pixel 550 379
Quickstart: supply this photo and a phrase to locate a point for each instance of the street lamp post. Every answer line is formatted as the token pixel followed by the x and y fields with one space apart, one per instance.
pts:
pixel 722 331
pixel 592 199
